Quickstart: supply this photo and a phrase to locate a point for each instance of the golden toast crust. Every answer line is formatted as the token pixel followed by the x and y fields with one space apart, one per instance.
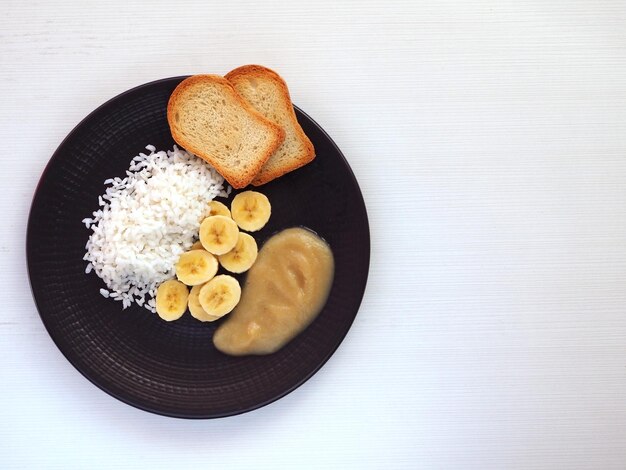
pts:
pixel 235 179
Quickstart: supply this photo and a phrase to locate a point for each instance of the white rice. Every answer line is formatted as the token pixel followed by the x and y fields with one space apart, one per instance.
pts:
pixel 146 220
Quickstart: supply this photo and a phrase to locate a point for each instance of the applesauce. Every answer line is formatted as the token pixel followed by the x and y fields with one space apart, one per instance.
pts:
pixel 284 291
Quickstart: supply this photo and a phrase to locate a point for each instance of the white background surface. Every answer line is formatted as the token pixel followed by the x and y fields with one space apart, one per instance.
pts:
pixel 489 139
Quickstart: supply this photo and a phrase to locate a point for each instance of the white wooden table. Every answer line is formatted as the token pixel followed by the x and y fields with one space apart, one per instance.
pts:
pixel 489 139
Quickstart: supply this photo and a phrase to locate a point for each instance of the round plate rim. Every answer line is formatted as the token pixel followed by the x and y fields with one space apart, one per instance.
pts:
pixel 85 373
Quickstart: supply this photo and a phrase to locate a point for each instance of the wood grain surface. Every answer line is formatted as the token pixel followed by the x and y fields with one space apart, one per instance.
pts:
pixel 489 139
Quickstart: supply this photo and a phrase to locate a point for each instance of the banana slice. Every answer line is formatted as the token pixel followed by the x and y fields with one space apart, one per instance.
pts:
pixel 218 234
pixel 171 300
pixel 197 246
pixel 217 208
pixel 242 257
pixel 220 295
pixel 251 210
pixel 195 308
pixel 196 267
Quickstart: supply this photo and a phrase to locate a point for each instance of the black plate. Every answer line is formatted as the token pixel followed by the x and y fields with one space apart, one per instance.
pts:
pixel 173 368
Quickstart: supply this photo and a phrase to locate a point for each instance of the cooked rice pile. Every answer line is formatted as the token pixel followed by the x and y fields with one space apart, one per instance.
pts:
pixel 146 220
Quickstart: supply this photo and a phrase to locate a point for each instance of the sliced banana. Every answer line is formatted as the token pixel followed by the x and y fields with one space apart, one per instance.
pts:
pixel 171 300
pixel 195 308
pixel 218 234
pixel 217 208
pixel 242 257
pixel 197 246
pixel 251 210
pixel 196 267
pixel 220 295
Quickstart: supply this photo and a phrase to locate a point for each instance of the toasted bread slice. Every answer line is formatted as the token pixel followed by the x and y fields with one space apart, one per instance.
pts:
pixel 267 92
pixel 210 119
